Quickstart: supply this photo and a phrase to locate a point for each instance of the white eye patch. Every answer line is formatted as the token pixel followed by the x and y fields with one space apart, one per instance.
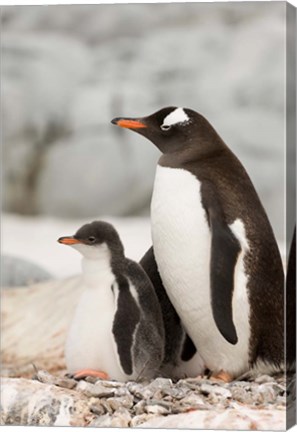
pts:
pixel 176 116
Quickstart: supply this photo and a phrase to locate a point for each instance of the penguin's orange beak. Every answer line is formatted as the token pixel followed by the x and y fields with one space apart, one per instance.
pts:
pixel 128 123
pixel 68 240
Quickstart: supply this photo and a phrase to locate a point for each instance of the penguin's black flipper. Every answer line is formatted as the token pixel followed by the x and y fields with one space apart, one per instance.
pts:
pixel 125 324
pixel 225 249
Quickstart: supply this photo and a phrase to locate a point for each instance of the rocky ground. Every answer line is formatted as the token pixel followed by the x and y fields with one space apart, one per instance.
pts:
pixel 44 396
pixel 48 399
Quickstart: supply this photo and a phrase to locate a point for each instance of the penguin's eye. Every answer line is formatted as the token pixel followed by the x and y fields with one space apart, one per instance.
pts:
pixel 91 239
pixel 165 127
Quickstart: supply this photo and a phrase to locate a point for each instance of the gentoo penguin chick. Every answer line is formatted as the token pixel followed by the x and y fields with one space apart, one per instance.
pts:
pixel 181 358
pixel 214 246
pixel 117 330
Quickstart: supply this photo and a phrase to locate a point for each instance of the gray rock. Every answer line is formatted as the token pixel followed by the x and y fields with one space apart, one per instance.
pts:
pixel 95 390
pixel 139 391
pixel 179 392
pixel 215 389
pixel 139 407
pixel 157 408
pixel 101 421
pixel 264 379
pixel 98 409
pixel 91 379
pixel 139 419
pixel 160 383
pixel 121 419
pixel 20 272
pixel 192 401
pixel 47 378
pixel 241 395
pixel 266 394
pixel 112 384
pixel 122 401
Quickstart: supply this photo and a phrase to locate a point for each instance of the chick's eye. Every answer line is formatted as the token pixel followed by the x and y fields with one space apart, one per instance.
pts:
pixel 165 127
pixel 91 239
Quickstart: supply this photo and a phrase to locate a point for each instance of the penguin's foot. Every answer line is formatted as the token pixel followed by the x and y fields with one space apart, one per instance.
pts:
pixel 90 372
pixel 222 376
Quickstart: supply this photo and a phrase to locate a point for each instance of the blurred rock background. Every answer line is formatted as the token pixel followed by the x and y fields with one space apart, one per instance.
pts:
pixel 68 70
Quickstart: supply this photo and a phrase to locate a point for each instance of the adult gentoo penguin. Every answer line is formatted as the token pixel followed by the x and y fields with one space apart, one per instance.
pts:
pixel 214 246
pixel 117 329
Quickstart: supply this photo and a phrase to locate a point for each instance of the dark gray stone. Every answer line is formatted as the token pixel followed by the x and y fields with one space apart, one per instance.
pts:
pixel 20 272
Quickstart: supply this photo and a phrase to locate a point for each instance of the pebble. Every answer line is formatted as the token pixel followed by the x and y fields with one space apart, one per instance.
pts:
pixel 19 272
pixel 122 419
pixel 215 390
pixel 130 404
pixel 264 379
pixel 179 392
pixel 91 379
pixel 267 394
pixel 139 419
pixel 111 384
pixel 139 391
pixel 139 408
pixel 118 402
pixel 45 377
pixel 157 409
pixel 241 395
pixel 97 390
pixel 101 421
pixel 193 401
pixel 164 384
pixel 98 409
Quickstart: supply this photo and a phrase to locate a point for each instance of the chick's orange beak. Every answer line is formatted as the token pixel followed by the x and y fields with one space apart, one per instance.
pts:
pixel 68 240
pixel 128 123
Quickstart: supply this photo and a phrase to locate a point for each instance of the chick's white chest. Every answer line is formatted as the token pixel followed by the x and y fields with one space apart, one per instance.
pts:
pixel 90 342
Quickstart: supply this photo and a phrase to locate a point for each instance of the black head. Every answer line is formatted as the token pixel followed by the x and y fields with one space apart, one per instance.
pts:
pixel 174 129
pixel 93 237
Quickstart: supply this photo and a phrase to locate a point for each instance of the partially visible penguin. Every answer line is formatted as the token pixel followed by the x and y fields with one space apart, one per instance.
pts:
pixel 291 306
pixel 117 329
pixel 214 246
pixel 181 358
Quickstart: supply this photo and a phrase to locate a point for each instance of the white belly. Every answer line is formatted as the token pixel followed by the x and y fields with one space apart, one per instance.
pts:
pixel 90 341
pixel 182 239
